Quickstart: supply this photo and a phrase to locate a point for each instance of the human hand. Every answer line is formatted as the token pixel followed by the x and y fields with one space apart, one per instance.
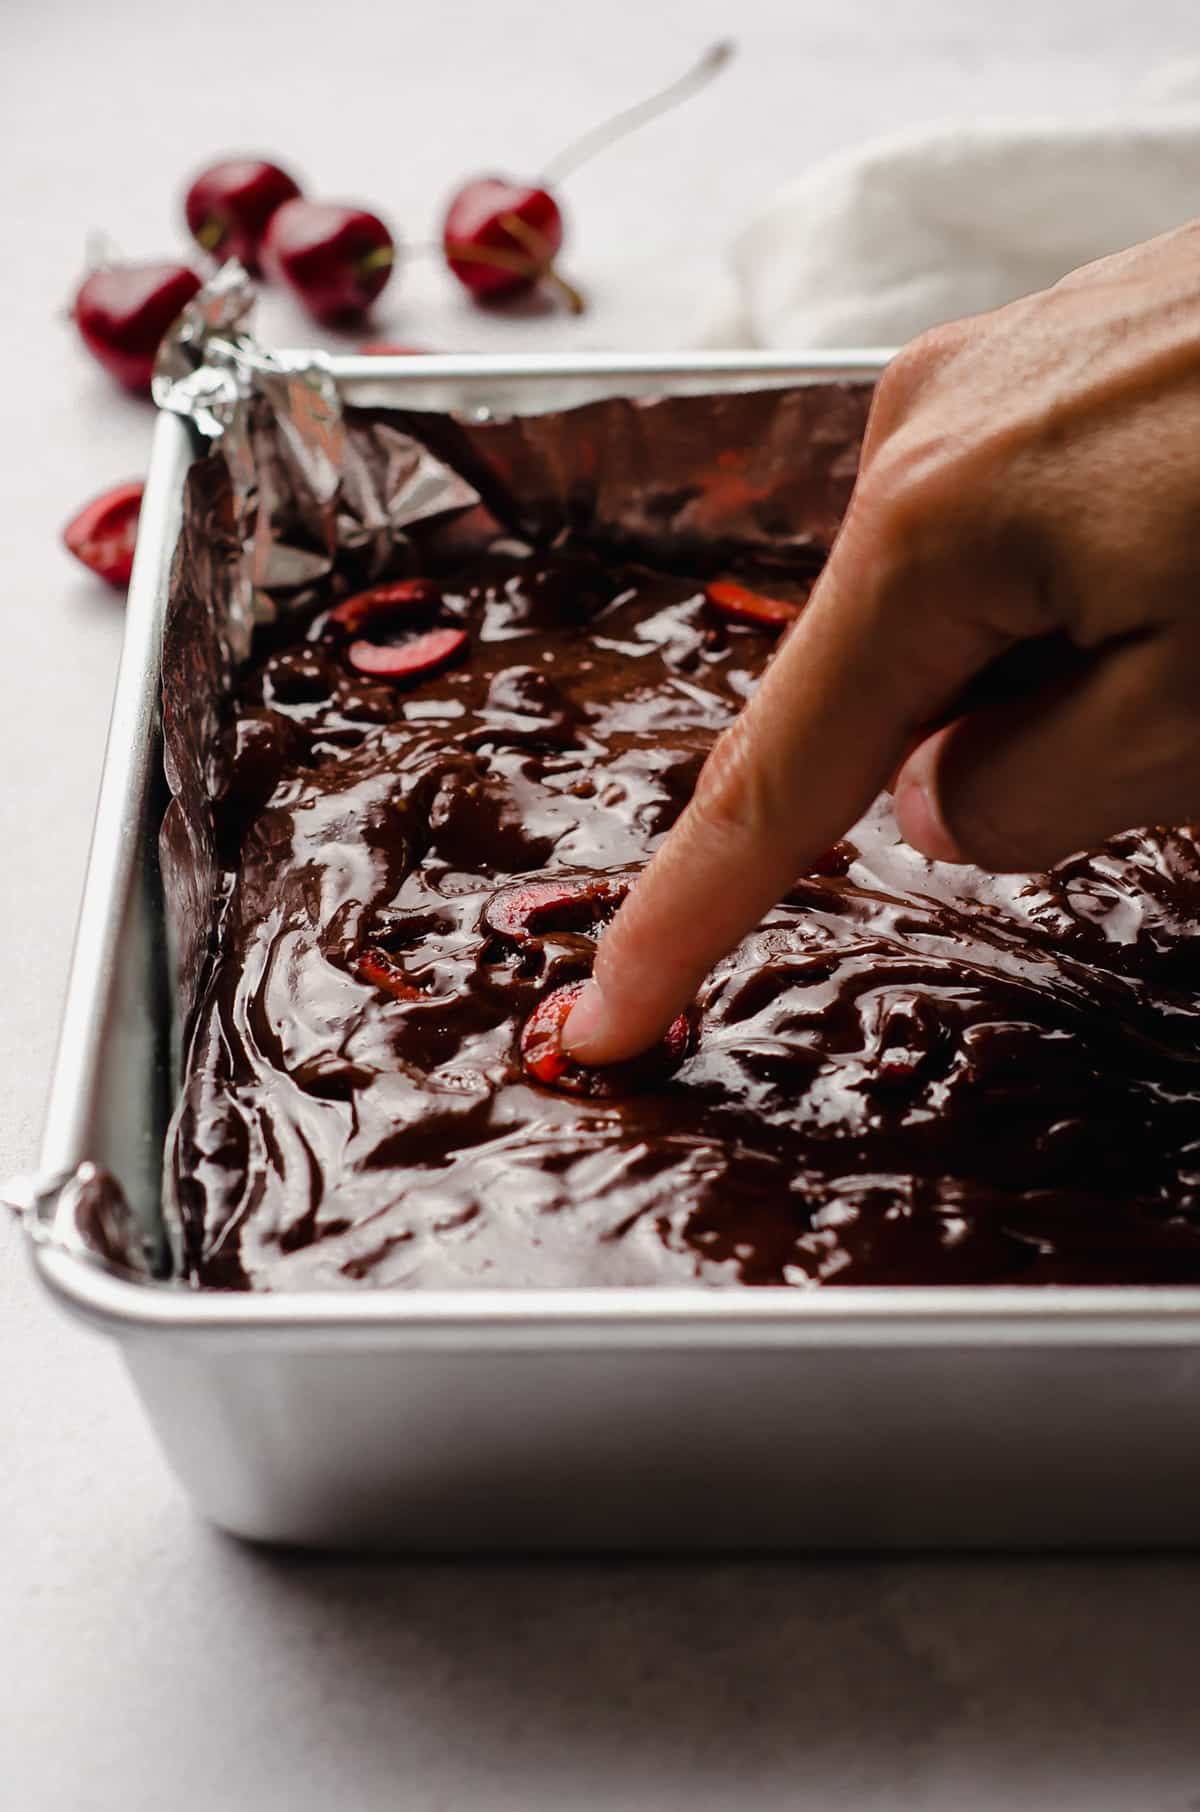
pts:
pixel 1027 506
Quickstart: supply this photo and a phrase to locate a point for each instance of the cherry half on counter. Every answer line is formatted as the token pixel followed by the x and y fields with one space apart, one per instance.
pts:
pixel 906 1074
pixel 103 534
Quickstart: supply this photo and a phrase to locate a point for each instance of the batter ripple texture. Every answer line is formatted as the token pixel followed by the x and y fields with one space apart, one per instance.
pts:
pixel 907 1074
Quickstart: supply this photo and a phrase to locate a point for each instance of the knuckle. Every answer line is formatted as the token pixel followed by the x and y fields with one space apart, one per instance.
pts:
pixel 910 373
pixel 896 507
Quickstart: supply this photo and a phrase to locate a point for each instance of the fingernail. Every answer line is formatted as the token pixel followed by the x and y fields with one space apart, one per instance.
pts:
pixel 921 824
pixel 585 1022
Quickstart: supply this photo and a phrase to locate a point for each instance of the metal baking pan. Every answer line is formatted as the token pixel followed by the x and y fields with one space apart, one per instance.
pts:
pixel 605 1419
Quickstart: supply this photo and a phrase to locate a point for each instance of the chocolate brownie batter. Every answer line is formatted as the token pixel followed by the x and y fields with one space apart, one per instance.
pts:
pixel 908 1074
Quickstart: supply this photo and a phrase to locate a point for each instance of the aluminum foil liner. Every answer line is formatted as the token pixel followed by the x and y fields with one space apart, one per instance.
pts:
pixel 210 370
pixel 760 474
pixel 302 495
pixel 708 479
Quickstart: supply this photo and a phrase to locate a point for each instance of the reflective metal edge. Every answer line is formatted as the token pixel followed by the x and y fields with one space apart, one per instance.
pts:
pixel 863 1316
pixel 851 361
pixel 127 773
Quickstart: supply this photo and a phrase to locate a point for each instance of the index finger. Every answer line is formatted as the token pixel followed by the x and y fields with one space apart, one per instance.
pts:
pixel 883 646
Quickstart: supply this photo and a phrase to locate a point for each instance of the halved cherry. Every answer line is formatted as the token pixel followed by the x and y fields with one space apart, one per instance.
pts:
pixel 393 599
pixel 104 533
pixel 379 970
pixel 407 660
pixel 741 605
pixel 519 912
pixel 547 1062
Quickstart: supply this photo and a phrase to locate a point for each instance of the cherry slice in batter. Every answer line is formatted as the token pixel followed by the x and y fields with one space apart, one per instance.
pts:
pixel 379 970
pixel 741 605
pixel 546 1061
pixel 522 911
pixel 410 660
pixel 394 599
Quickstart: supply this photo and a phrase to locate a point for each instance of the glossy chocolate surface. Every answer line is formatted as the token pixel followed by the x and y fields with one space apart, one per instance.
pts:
pixel 908 1074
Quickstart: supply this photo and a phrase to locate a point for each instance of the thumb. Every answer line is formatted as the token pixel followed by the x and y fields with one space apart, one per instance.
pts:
pixel 1019 786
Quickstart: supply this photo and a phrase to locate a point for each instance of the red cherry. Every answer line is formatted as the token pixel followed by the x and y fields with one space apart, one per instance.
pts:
pixel 741 605
pixel 407 660
pixel 229 205
pixel 547 1062
pixel 517 912
pixel 400 596
pixel 336 259
pixel 122 312
pixel 501 238
pixel 104 532
pixel 379 970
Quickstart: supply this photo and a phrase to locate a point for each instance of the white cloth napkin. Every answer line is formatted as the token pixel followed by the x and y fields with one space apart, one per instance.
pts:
pixel 880 242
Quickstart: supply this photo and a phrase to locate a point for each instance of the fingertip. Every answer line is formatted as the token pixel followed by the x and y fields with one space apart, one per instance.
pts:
pixel 586 1027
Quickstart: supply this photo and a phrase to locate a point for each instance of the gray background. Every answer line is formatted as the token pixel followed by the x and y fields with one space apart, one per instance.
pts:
pixel 145 1661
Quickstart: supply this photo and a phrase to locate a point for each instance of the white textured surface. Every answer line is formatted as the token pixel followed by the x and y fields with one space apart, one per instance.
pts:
pixel 879 241
pixel 144 1662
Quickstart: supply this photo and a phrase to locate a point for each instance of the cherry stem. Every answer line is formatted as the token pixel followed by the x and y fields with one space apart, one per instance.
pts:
pixel 543 259
pixel 570 295
pixel 535 267
pixel 99 253
pixel 462 251
pixel 380 259
pixel 631 118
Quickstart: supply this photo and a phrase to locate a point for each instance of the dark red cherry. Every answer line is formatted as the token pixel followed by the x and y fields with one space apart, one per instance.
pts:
pixel 229 206
pixel 547 1062
pixel 501 238
pixel 335 259
pixel 122 312
pixel 104 532
pixel 410 660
